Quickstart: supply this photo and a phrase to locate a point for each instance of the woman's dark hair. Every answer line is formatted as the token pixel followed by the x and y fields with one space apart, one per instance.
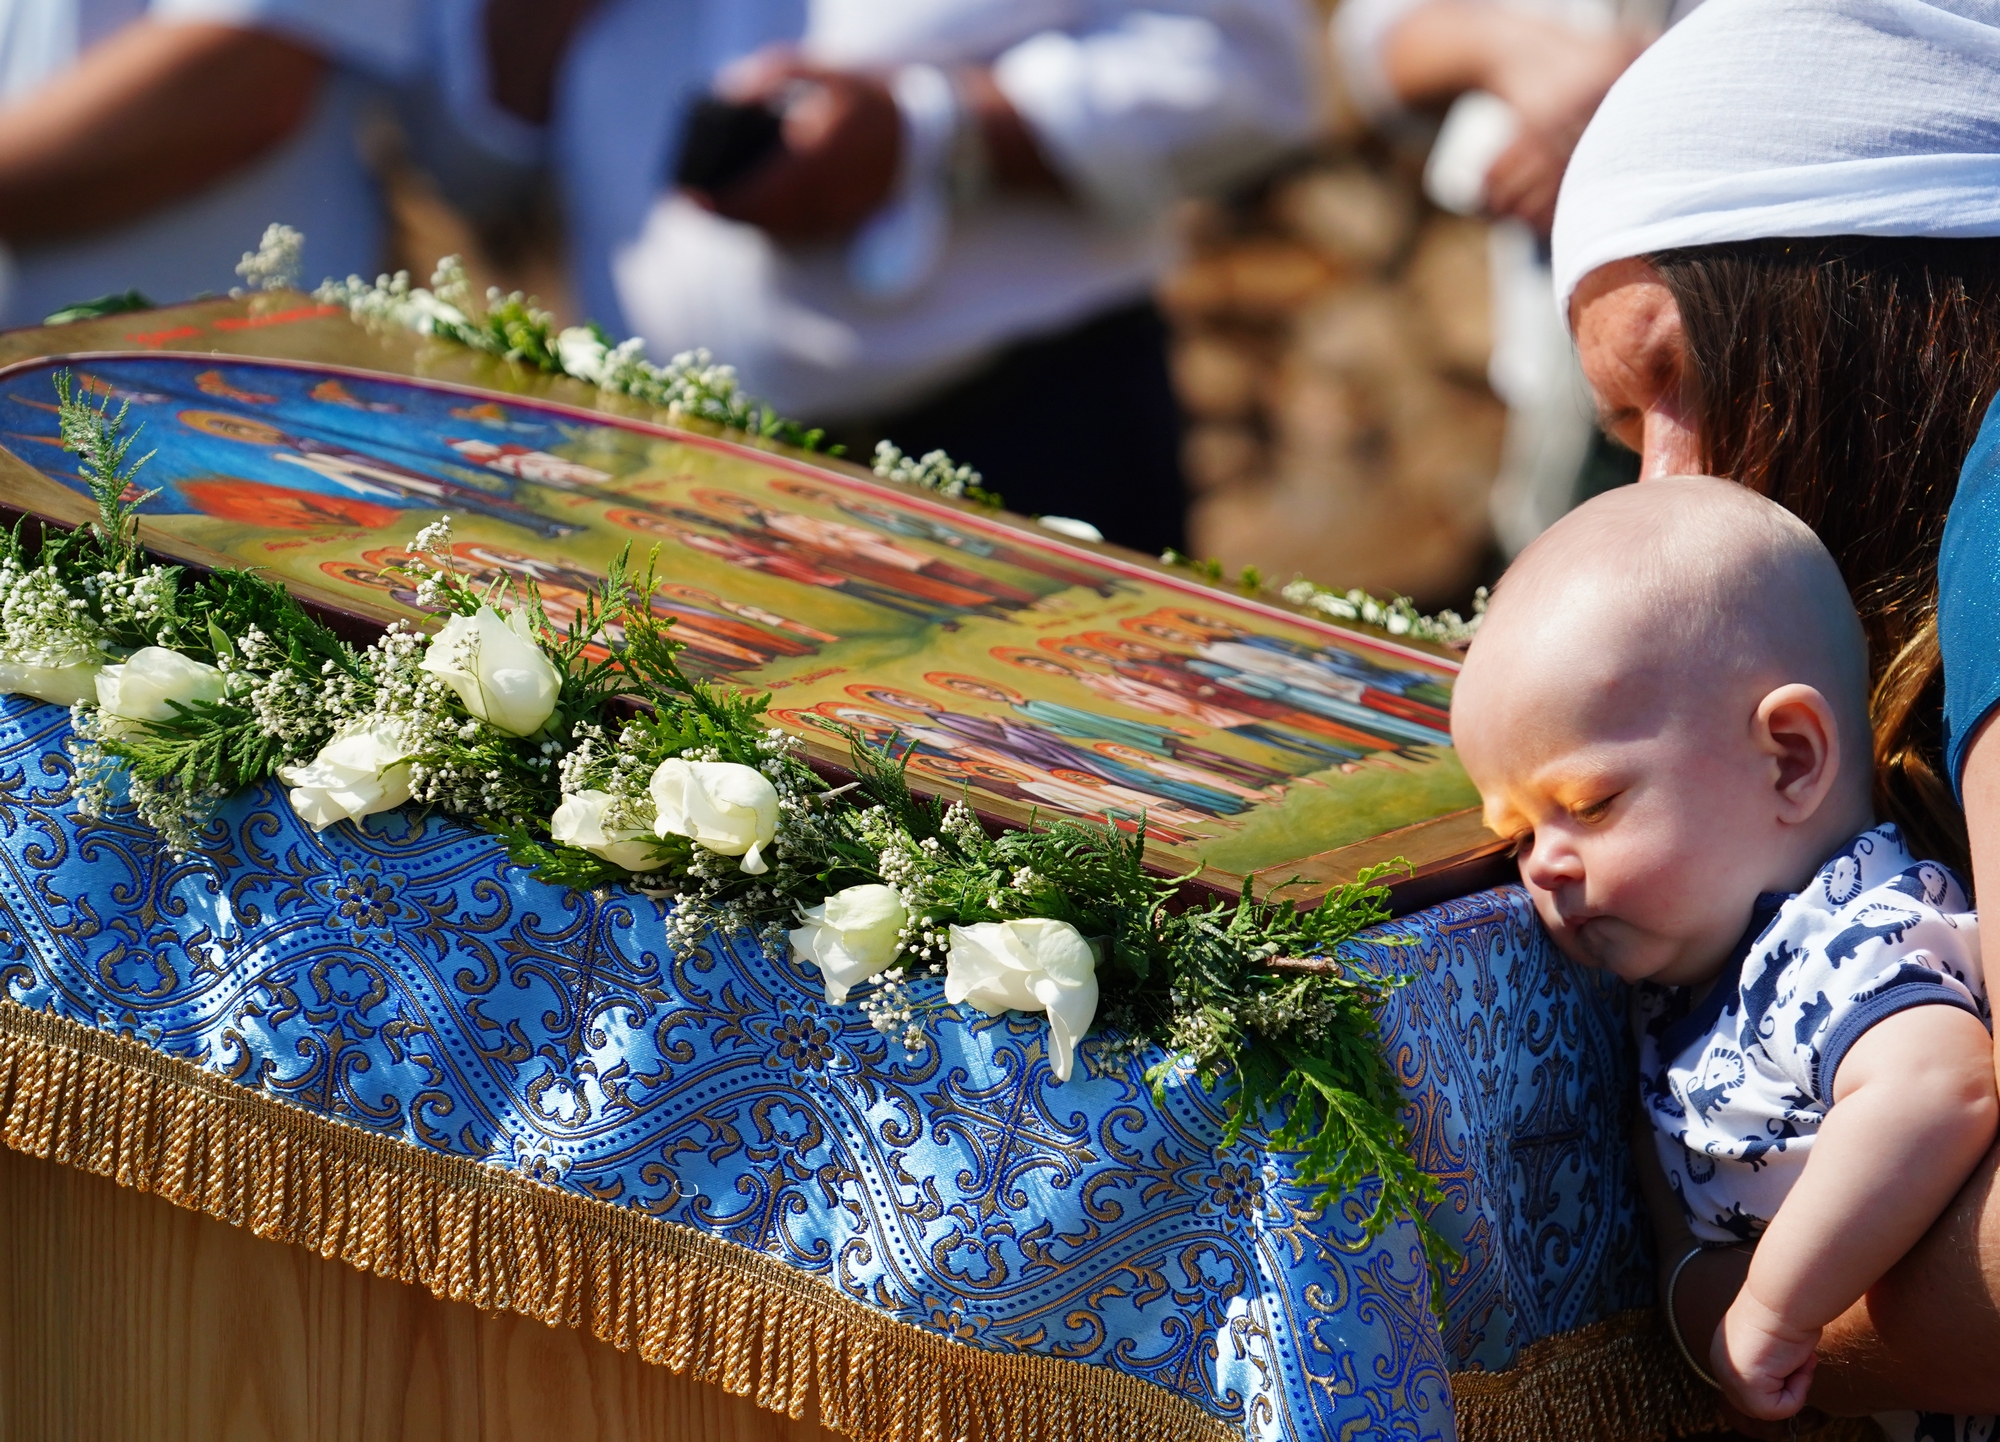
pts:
pixel 1845 377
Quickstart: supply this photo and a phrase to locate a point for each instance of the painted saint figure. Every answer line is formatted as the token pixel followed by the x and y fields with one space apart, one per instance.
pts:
pixel 366 475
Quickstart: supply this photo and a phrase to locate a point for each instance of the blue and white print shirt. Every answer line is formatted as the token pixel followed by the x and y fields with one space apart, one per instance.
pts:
pixel 1736 1085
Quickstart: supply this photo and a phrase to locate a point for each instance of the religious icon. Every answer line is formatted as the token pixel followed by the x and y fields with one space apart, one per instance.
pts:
pixel 1037 678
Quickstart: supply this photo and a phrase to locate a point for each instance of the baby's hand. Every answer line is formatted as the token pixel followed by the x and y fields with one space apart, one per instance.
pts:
pixel 1764 1363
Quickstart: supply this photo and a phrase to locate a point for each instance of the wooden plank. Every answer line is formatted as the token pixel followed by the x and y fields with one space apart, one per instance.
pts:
pixel 124 1317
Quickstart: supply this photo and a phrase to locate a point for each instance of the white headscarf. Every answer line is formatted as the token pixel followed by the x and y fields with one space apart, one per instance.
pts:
pixel 1761 118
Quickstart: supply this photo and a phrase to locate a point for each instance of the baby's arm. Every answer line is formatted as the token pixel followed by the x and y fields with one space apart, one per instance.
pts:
pixel 1914 1110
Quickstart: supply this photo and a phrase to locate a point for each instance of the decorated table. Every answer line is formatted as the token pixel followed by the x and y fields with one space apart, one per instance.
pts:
pixel 414 1044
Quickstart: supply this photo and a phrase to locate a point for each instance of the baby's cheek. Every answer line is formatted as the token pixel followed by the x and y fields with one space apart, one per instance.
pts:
pixel 1646 862
pixel 1545 908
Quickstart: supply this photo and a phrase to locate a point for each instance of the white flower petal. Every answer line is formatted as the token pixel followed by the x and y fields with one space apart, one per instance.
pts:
pixel 728 808
pixel 579 821
pixel 497 669
pixel 851 936
pixel 60 685
pixel 362 770
pixel 148 683
pixel 1035 964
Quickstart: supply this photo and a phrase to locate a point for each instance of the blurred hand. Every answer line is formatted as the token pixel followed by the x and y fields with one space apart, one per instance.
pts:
pixel 1552 76
pixel 843 139
pixel 1554 80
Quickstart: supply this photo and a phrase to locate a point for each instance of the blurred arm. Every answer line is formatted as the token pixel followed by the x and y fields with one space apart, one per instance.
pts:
pixel 159 111
pixel 1123 117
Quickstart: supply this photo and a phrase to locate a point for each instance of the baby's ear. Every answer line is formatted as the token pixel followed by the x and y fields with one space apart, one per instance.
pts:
pixel 1796 727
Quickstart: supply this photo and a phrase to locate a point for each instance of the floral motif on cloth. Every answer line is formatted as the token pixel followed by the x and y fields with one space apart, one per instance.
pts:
pixel 400 976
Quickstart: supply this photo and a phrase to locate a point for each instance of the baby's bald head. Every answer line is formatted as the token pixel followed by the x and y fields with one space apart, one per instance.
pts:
pixel 1688 583
pixel 1666 711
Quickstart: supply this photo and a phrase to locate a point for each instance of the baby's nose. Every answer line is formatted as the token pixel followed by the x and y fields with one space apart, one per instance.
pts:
pixel 1550 865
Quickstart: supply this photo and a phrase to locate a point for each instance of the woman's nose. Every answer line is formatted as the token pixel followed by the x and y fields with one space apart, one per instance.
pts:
pixel 1668 445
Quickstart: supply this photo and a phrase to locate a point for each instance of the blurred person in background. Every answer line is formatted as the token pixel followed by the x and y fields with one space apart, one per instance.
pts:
pixel 145 146
pixel 1517 81
pixel 946 232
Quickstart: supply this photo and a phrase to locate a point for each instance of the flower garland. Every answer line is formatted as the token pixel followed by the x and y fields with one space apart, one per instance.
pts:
pixel 601 763
pixel 1398 615
pixel 692 384
pixel 513 328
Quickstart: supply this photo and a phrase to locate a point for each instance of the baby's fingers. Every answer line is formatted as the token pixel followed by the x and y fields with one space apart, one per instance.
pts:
pixel 1792 1394
pixel 1769 1397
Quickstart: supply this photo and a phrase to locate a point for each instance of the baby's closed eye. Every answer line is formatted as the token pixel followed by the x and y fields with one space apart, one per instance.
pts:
pixel 1590 812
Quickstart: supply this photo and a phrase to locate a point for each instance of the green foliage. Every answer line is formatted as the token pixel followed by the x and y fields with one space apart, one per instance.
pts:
pixel 117 303
pixel 94 435
pixel 572 866
pixel 1261 992
pixel 513 328
pixel 210 747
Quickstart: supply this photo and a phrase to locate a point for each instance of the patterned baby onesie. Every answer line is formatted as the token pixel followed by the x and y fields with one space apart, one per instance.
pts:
pixel 1736 1085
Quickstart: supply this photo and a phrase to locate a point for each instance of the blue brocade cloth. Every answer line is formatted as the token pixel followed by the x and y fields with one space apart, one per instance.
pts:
pixel 403 977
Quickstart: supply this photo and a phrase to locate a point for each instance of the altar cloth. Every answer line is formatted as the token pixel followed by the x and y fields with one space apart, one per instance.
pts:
pixel 391 1044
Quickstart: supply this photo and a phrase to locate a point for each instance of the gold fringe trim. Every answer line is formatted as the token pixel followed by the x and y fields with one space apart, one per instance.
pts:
pixel 471 1233
pixel 1620 1377
pixel 687 1301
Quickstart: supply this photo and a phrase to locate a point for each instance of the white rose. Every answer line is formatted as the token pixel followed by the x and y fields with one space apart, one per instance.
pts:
pixel 1030 965
pixel 364 769
pixel 496 668
pixel 728 808
pixel 64 685
pixel 434 314
pixel 851 936
pixel 141 687
pixel 582 353
pixel 579 821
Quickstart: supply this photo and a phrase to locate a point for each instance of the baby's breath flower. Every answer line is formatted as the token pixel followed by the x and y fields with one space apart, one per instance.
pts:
pixel 274 264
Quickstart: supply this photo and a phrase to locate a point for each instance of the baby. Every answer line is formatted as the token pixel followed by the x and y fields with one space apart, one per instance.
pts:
pixel 1666 712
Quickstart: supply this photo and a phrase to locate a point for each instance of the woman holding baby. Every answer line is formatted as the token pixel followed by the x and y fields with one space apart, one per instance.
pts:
pixel 1771 246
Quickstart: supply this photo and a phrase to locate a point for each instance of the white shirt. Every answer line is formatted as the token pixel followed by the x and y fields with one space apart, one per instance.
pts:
pixel 314 181
pixel 1133 104
pixel 1736 1087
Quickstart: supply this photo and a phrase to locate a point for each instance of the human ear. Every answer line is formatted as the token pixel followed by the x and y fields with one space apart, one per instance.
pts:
pixel 1797 729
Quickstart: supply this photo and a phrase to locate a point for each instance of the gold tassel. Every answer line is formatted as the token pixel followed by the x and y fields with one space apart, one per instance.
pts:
pixel 1621 1377
pixel 687 1301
